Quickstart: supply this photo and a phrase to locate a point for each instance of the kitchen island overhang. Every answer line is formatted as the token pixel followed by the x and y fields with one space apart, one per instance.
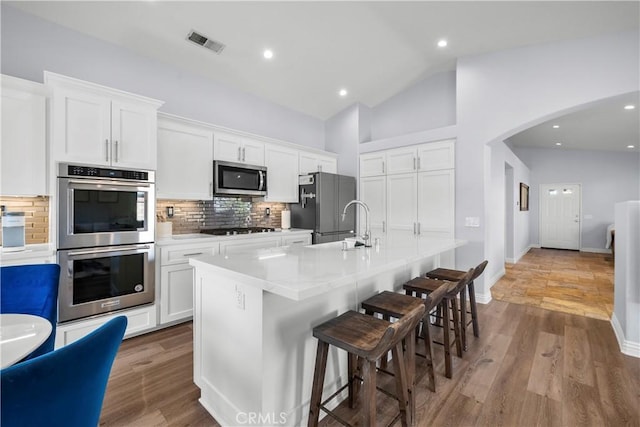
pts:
pixel 254 313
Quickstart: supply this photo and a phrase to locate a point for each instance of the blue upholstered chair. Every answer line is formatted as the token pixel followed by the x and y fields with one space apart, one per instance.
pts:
pixel 32 289
pixel 65 387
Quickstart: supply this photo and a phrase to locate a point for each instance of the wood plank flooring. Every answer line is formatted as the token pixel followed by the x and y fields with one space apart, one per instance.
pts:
pixel 530 367
pixel 566 281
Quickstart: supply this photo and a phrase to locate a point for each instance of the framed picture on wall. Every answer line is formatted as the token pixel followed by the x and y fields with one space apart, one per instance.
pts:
pixel 524 197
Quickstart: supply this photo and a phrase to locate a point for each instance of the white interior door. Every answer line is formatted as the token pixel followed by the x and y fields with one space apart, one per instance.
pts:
pixel 560 216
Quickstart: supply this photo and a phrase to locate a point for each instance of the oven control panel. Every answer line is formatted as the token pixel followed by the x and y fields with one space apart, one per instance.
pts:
pixel 95 172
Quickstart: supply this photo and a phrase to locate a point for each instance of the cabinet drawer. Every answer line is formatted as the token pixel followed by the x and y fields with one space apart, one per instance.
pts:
pixel 181 254
pixel 296 240
pixel 249 244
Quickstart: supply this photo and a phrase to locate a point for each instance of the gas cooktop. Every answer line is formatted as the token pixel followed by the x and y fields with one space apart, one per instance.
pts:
pixel 236 230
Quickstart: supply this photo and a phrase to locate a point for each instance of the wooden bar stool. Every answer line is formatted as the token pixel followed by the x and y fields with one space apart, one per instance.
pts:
pixel 456 276
pixel 448 306
pixel 394 305
pixel 367 339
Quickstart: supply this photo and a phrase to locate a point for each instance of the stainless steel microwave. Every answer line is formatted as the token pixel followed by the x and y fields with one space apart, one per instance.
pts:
pixel 238 179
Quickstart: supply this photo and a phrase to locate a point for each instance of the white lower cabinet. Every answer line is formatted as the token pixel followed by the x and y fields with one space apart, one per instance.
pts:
pixel 250 244
pixel 175 293
pixel 296 240
pixel 139 320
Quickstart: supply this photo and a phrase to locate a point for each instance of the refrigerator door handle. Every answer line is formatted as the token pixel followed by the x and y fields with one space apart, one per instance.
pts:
pixel 414 228
pixel 384 226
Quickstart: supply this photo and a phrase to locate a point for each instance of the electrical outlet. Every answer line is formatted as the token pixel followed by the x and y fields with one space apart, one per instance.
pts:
pixel 472 221
pixel 267 211
pixel 170 211
pixel 240 298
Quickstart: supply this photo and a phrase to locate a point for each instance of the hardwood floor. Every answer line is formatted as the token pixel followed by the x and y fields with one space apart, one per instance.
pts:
pixel 530 367
pixel 567 281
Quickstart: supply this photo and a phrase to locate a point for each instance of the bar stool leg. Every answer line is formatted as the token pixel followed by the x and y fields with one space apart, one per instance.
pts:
pixel 463 318
pixel 426 334
pixel 474 309
pixel 410 357
pixel 318 383
pixel 445 333
pixel 369 393
pixel 354 382
pixel 402 384
pixel 456 326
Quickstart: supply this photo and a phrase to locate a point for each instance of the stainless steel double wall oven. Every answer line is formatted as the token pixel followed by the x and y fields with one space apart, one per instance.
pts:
pixel 105 239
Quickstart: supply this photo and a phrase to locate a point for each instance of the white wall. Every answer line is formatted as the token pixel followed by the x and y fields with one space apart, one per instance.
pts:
pixel 31 45
pixel 626 305
pixel 502 93
pixel 606 178
pixel 502 155
pixel 342 137
pixel 428 104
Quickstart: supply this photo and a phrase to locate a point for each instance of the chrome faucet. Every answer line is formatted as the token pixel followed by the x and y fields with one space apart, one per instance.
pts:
pixel 367 232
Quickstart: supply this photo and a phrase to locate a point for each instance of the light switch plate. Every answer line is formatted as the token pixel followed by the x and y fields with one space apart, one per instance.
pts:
pixel 472 221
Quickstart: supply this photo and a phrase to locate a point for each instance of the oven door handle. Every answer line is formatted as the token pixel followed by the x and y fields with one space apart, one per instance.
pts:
pixel 111 249
pixel 110 182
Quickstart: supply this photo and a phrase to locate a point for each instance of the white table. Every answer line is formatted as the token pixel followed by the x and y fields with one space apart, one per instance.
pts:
pixel 254 313
pixel 20 334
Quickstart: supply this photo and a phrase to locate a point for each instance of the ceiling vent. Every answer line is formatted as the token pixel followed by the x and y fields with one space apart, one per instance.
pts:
pixel 205 41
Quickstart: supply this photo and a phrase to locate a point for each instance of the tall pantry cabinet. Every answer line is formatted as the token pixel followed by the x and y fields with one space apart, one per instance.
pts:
pixel 410 191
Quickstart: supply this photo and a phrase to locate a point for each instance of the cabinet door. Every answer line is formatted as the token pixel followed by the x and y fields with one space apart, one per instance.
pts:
pixel 373 192
pixel 253 152
pixel 282 174
pixel 327 164
pixel 23 147
pixel 436 156
pixel 402 160
pixel 185 161
pixel 402 205
pixel 176 293
pixel 81 127
pixel 372 164
pixel 133 135
pixel 227 147
pixel 436 203
pixel 308 163
pixel 249 244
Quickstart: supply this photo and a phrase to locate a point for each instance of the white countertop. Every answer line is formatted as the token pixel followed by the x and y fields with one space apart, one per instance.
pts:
pixel 302 272
pixel 177 239
pixel 31 251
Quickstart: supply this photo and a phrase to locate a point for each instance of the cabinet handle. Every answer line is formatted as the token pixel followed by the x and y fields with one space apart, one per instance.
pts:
pixel 297 241
pixel 414 228
pixel 418 228
pixel 418 163
pixel 116 151
pixel 106 151
pixel 383 166
pixel 244 154
pixel 384 226
pixel 211 188
pixel 193 254
pixel 239 154
pixel 414 163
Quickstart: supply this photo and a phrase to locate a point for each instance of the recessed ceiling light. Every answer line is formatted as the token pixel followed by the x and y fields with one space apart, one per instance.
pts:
pixel 631 146
pixel 442 43
pixel 556 126
pixel 268 53
pixel 558 143
pixel 629 107
pixel 343 92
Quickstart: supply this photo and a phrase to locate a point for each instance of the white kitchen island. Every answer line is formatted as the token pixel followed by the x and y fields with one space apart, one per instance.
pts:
pixel 254 312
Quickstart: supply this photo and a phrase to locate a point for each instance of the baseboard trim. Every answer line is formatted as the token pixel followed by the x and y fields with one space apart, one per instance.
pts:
pixel 629 348
pixel 596 250
pixel 485 298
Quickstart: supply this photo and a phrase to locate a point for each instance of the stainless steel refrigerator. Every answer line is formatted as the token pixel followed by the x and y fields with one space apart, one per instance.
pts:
pixel 323 196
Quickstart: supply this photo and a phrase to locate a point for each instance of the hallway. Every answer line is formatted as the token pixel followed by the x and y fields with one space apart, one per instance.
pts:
pixel 567 281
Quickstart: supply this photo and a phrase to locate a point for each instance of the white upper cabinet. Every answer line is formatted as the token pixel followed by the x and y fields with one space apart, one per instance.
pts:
pixel 282 174
pixel 185 160
pixel 312 162
pixel 237 148
pixel 402 160
pixel 23 145
pixel 436 202
pixel 97 125
pixel 436 156
pixel 373 164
